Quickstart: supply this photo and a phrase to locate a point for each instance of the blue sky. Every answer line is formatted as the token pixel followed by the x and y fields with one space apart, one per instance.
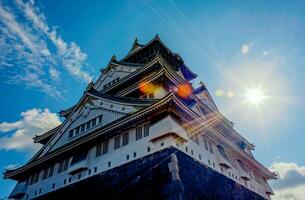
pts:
pixel 49 50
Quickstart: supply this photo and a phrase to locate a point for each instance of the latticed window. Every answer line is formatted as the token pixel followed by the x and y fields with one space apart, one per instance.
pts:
pixel 79 157
pixel 77 131
pixel 105 147
pixel 94 122
pixel 232 161
pixel 117 142
pixel 36 177
pixel 206 144
pixel 146 130
pixel 125 139
pixel 31 180
pixel 45 173
pixel 196 139
pixel 100 119
pixel 222 152
pixel 71 133
pixel 102 148
pixel 66 164
pixel 139 132
pixel 63 165
pixel 211 147
pixel 82 128
pixel 51 169
pixel 99 150
pixel 88 125
pixel 60 167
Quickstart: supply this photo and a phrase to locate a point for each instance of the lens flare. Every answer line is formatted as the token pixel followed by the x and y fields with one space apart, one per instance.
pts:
pixel 184 90
pixel 147 88
pixel 255 96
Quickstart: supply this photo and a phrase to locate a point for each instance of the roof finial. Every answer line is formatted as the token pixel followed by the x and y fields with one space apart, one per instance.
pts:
pixel 135 41
pixel 113 58
pixel 90 86
pixel 201 83
pixel 157 36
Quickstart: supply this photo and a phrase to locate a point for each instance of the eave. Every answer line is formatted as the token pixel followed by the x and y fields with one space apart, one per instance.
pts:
pixel 45 137
pixel 157 39
pixel 168 100
pixel 67 112
pixel 171 98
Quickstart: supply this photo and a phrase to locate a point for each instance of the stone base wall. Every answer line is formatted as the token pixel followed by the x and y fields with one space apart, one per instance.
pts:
pixel 150 178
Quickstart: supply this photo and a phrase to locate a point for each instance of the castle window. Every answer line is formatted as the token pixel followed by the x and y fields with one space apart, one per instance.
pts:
pixel 222 152
pixel 31 180
pixel 196 140
pixel 93 122
pixel 146 130
pixel 79 157
pixel 138 132
pixel 66 164
pixel 82 128
pixel 60 167
pixel 243 167
pixel 206 144
pixel 102 148
pixel 45 173
pixel 88 125
pixel 63 165
pixel 98 150
pixel 125 139
pixel 117 142
pixel 211 147
pixel 51 169
pixel 36 177
pixel 232 161
pixel 100 118
pixel 105 147
pixel 77 131
pixel 71 133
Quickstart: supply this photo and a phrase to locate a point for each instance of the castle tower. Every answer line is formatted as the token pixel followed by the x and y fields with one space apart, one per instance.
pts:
pixel 142 131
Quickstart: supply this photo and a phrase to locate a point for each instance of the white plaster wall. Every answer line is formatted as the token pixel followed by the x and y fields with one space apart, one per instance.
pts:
pixel 118 157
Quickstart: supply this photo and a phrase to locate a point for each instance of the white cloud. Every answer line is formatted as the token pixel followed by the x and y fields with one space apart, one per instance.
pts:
pixel 291 181
pixel 245 48
pixel 54 73
pixel 19 135
pixel 32 50
pixel 265 53
pixel 12 166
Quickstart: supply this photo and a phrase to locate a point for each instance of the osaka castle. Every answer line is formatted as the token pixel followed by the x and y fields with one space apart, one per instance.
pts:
pixel 143 131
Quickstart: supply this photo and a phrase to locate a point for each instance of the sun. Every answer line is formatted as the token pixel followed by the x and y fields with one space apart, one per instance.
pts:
pixel 255 96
